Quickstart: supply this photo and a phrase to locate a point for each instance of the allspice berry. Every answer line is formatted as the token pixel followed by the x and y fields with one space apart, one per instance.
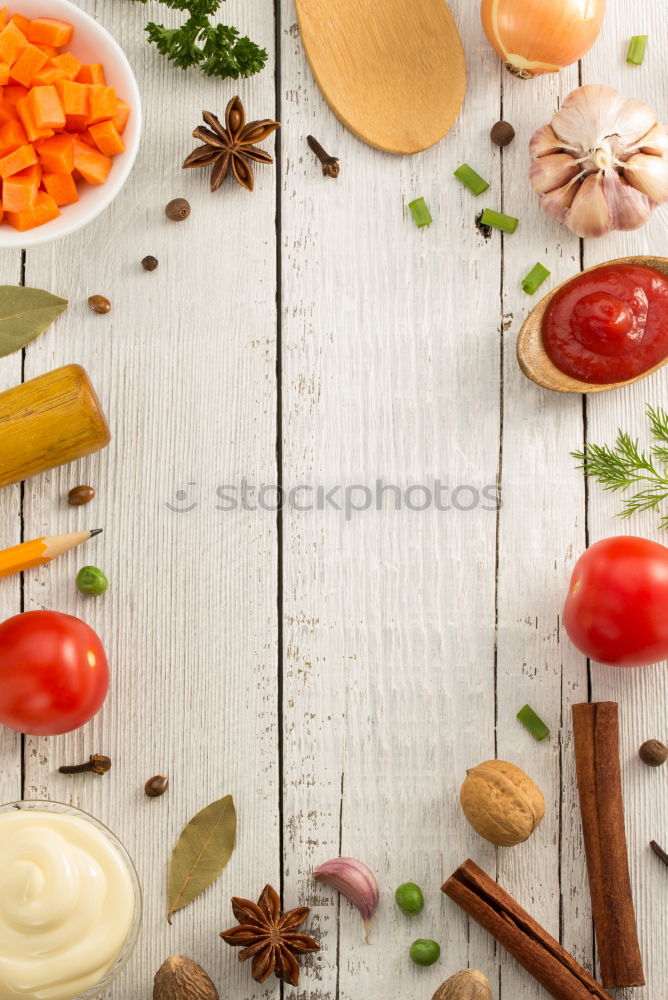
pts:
pixel 99 304
pixel 177 209
pixel 156 786
pixel 467 985
pixel 180 978
pixel 80 495
pixel 149 263
pixel 653 753
pixel 502 133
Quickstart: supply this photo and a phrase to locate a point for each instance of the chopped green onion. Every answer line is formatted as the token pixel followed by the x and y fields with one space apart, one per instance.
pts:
pixel 533 722
pixel 506 223
pixel 535 278
pixel 636 52
pixel 420 212
pixel 473 181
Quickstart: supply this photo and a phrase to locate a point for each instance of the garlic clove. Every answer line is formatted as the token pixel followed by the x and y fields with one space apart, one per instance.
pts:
pixel 552 171
pixel 544 141
pixel 648 174
pixel 655 142
pixel 557 203
pixel 587 115
pixel 354 880
pixel 634 120
pixel 589 215
pixel 629 208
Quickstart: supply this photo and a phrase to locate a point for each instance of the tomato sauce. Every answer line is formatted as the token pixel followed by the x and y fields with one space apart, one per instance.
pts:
pixel 608 325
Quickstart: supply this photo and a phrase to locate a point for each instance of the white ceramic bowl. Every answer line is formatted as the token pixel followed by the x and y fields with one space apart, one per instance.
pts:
pixel 90 44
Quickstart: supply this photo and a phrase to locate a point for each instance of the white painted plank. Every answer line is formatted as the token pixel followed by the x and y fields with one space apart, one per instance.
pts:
pixel 184 365
pixel 642 694
pixel 390 370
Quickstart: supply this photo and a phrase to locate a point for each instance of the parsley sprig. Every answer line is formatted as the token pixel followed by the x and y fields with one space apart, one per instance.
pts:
pixel 217 49
pixel 625 466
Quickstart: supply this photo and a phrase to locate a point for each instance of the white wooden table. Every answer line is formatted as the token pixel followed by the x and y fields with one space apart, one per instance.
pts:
pixel 336 675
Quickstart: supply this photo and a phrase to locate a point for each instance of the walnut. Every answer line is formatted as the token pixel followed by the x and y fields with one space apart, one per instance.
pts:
pixel 179 978
pixel 467 985
pixel 501 802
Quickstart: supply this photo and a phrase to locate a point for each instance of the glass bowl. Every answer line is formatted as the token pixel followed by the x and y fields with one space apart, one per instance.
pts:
pixel 131 940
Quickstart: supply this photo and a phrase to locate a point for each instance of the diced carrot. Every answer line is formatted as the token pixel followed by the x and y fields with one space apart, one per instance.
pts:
pixel 44 211
pixel 73 97
pixel 45 107
pixel 102 103
pixel 27 65
pixel 93 166
pixel 87 138
pixel 18 159
pixel 49 50
pixel 50 32
pixel 4 74
pixel 27 120
pixel 14 92
pixel 19 192
pixel 12 43
pixel 7 112
pixel 61 187
pixel 4 17
pixel 121 119
pixel 68 63
pixel 92 73
pixel 76 123
pixel 56 154
pixel 22 23
pixel 12 135
pixel 47 76
pixel 106 138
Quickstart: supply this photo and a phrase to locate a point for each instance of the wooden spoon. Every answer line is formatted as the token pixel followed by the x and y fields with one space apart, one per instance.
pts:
pixel 531 354
pixel 393 71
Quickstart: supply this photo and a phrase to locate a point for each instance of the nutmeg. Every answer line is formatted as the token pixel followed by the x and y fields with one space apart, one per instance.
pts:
pixel 467 985
pixel 180 978
pixel 501 802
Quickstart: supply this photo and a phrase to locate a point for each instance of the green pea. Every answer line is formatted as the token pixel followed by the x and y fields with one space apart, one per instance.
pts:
pixel 425 952
pixel 91 580
pixel 409 898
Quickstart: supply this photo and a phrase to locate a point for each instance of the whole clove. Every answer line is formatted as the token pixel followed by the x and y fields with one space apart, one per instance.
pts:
pixel 330 164
pixel 97 763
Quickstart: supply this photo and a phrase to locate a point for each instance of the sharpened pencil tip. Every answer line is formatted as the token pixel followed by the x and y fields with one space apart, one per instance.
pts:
pixel 96 531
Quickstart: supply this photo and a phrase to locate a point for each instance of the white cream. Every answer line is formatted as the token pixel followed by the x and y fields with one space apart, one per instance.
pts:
pixel 67 903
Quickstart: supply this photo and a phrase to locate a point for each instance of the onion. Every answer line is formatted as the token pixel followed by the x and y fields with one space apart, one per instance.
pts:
pixel 541 36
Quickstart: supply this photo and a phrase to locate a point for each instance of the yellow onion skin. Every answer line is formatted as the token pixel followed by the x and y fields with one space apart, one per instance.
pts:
pixel 541 36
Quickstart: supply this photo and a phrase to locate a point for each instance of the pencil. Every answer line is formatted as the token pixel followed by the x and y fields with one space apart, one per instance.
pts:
pixel 40 551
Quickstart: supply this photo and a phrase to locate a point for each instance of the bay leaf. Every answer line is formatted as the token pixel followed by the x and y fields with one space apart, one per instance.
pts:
pixel 24 314
pixel 201 852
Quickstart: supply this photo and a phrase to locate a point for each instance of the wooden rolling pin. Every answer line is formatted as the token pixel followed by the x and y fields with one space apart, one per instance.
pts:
pixel 49 421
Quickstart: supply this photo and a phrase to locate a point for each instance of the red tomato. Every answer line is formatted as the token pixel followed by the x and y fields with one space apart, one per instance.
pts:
pixel 616 610
pixel 53 673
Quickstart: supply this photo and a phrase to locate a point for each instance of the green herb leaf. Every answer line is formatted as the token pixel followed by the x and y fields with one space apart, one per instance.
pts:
pixel 24 314
pixel 201 852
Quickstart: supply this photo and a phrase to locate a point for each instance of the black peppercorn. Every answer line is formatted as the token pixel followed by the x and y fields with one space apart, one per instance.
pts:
pixel 502 133
pixel 149 263
pixel 177 209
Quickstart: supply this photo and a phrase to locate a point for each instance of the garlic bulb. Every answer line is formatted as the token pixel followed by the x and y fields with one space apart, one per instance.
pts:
pixel 541 36
pixel 601 163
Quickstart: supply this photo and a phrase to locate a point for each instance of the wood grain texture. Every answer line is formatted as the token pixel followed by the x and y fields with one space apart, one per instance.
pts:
pixel 395 74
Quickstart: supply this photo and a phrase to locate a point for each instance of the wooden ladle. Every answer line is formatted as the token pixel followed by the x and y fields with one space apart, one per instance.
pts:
pixel 393 71
pixel 533 359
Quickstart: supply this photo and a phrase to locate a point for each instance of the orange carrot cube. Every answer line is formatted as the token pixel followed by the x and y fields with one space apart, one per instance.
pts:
pixel 45 107
pixel 49 31
pixel 87 138
pixel 47 75
pixel 28 63
pixel 68 63
pixel 19 192
pixel 17 160
pixel 4 74
pixel 26 118
pixel 106 138
pixel 12 43
pixel 49 50
pixel 92 73
pixel 45 210
pixel 93 166
pixel 7 112
pixel 14 92
pixel 61 187
pixel 121 119
pixel 73 97
pixel 12 135
pixel 4 17
pixel 56 155
pixel 102 103
pixel 21 22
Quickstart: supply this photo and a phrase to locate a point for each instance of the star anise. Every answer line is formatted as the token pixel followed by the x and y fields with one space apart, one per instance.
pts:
pixel 231 146
pixel 269 937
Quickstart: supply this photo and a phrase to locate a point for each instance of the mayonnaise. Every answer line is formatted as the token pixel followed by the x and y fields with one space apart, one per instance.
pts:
pixel 67 903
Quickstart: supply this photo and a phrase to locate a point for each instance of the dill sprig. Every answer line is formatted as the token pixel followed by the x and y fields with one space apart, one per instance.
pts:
pixel 217 49
pixel 625 466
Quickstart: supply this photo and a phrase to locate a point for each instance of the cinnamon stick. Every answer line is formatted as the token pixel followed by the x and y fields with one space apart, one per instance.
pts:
pixel 543 957
pixel 596 732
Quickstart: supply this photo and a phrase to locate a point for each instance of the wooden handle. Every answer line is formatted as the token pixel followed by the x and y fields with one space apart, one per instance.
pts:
pixel 48 421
